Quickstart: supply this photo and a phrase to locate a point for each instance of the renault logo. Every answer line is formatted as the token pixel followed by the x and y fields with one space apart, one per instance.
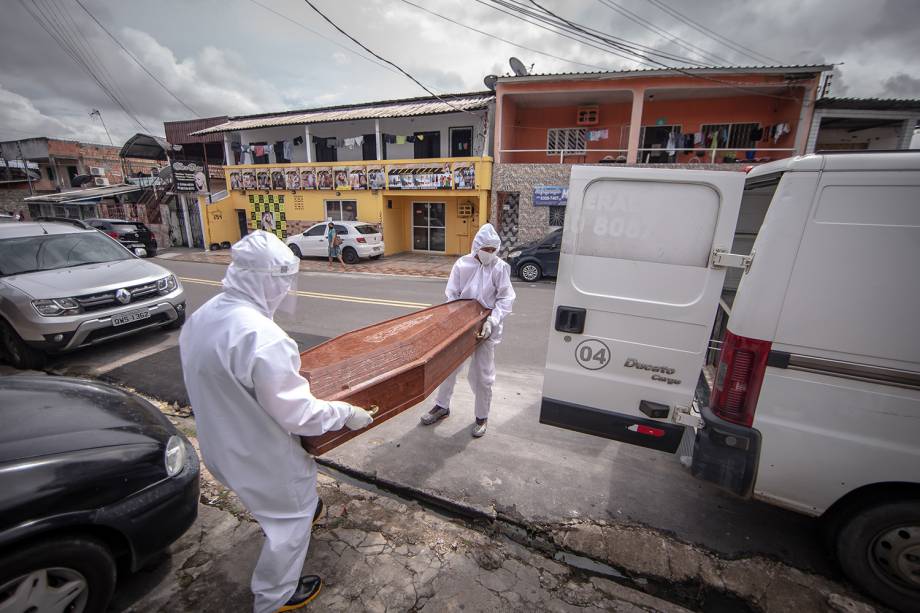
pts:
pixel 123 296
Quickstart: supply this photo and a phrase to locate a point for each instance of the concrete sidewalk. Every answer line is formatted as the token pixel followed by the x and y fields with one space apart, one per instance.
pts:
pixel 375 553
pixel 401 264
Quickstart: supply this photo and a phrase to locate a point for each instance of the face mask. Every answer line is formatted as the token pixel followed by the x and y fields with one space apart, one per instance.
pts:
pixel 486 257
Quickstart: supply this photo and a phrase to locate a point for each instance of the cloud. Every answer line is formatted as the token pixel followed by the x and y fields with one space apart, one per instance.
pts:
pixel 902 86
pixel 19 118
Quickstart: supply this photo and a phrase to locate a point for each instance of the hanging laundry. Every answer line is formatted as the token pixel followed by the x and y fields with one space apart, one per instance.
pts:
pixel 697 139
pixel 756 134
pixel 401 140
pixel 596 135
pixel 279 152
pixel 246 155
pixel 389 139
pixel 298 141
pixel 259 151
pixel 270 151
pixel 287 149
pixel 411 138
pixel 780 130
pixel 672 143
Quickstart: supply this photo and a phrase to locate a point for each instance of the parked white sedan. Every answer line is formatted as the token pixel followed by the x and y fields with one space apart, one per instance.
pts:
pixel 359 240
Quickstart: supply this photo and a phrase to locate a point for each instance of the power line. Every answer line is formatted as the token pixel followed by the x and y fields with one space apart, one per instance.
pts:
pixel 499 38
pixel 737 86
pixel 324 37
pixel 651 27
pixel 137 61
pixel 616 42
pixel 383 59
pixel 734 46
pixel 579 40
pixel 74 54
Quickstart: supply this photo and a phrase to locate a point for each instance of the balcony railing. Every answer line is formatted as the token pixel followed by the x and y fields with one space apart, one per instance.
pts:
pixel 712 153
pixel 417 174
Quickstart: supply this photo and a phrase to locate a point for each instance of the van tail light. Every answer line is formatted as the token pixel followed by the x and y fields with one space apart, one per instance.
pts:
pixel 112 234
pixel 361 239
pixel 738 380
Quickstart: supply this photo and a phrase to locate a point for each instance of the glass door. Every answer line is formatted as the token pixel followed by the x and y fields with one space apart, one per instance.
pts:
pixel 428 232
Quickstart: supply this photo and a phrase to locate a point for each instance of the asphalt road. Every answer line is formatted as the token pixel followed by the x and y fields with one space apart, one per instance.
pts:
pixel 521 468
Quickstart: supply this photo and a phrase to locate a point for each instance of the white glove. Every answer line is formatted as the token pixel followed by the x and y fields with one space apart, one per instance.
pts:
pixel 359 419
pixel 486 331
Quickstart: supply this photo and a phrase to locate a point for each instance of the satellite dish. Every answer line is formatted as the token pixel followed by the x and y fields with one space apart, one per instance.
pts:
pixel 490 81
pixel 518 67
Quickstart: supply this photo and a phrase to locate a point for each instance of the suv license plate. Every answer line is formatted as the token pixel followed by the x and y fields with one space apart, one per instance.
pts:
pixel 130 317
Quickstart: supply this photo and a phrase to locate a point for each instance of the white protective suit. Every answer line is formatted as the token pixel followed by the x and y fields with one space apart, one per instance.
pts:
pixel 491 286
pixel 250 404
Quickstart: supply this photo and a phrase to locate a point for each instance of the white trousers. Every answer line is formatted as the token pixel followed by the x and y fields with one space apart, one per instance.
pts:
pixel 481 377
pixel 287 525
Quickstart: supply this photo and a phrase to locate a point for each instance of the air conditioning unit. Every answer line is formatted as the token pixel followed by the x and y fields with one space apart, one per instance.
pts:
pixel 97 171
pixel 101 182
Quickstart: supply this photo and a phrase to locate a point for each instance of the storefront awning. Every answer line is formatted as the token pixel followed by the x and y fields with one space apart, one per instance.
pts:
pixel 78 196
pixel 145 147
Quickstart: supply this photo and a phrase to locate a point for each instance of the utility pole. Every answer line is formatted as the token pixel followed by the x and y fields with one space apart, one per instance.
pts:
pixel 98 114
pixel 25 166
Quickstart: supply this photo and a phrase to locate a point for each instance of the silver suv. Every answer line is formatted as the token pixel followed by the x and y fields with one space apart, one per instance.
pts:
pixel 63 287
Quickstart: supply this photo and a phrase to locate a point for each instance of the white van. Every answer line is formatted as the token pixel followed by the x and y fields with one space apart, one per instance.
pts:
pixel 814 401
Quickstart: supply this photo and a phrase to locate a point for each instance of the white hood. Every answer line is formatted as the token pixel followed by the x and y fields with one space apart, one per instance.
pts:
pixel 486 237
pixel 258 261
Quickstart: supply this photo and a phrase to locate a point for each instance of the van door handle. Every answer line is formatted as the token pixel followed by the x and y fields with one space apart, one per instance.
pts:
pixel 570 319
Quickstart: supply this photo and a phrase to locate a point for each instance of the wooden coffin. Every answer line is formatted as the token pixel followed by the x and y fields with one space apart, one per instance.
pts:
pixel 388 367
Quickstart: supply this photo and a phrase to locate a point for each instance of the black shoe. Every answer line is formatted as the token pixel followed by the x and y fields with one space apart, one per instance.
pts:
pixel 318 513
pixel 308 589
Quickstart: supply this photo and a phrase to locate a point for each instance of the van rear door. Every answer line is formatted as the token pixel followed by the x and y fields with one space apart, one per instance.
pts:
pixel 636 297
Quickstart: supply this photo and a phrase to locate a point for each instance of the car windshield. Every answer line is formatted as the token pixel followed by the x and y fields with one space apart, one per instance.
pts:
pixel 366 229
pixel 52 251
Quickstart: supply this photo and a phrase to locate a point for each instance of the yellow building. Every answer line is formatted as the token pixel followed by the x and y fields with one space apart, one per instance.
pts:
pixel 433 205
pixel 418 168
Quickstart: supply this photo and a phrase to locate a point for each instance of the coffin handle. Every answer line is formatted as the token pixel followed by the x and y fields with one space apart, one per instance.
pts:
pixel 373 410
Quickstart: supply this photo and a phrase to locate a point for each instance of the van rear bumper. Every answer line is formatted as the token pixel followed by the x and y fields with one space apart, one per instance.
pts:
pixel 726 454
pixel 614 426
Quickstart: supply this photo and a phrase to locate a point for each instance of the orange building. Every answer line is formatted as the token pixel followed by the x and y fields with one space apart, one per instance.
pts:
pixel 698 117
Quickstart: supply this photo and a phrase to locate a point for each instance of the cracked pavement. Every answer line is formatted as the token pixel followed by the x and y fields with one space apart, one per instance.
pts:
pixel 375 553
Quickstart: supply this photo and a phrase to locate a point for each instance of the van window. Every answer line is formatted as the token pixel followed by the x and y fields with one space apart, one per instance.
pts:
pixel 758 193
pixel 622 220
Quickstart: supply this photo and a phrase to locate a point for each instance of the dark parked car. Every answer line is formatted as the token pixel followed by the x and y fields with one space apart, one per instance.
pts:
pixel 131 234
pixel 533 261
pixel 94 481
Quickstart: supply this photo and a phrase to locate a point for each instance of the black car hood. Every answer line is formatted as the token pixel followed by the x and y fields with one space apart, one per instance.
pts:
pixel 42 415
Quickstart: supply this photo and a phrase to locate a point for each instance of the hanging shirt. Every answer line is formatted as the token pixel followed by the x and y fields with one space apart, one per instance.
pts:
pixel 672 143
pixel 271 154
pixel 401 140
pixel 288 150
pixel 246 155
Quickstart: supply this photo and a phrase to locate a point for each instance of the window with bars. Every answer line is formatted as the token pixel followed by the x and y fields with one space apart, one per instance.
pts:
pixel 566 140
pixel 731 135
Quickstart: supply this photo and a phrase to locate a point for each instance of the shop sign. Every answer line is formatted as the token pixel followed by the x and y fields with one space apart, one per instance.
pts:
pixel 189 178
pixel 550 195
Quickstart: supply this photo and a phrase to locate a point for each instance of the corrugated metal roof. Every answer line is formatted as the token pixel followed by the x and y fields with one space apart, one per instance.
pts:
pixel 794 68
pixel 410 107
pixel 872 104
pixel 178 132
pixel 76 195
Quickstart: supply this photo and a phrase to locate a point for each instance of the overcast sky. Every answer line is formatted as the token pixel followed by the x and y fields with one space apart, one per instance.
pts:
pixel 231 57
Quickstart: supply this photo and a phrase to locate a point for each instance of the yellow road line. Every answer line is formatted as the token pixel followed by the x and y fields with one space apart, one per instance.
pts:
pixel 338 297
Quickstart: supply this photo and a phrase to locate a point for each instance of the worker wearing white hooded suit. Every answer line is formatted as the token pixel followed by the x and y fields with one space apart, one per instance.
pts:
pixel 251 405
pixel 485 277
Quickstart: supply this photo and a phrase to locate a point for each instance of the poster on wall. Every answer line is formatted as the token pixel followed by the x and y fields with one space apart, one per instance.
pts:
pixel 324 178
pixel 464 176
pixel 420 176
pixel 357 177
pixel 292 179
pixel 341 179
pixel 236 180
pixel 307 178
pixel 189 178
pixel 249 179
pixel 268 214
pixel 263 180
pixel 375 178
pixel 277 178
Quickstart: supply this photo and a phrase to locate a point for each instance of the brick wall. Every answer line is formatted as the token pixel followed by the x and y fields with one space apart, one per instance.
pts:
pixel 11 200
pixel 533 221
